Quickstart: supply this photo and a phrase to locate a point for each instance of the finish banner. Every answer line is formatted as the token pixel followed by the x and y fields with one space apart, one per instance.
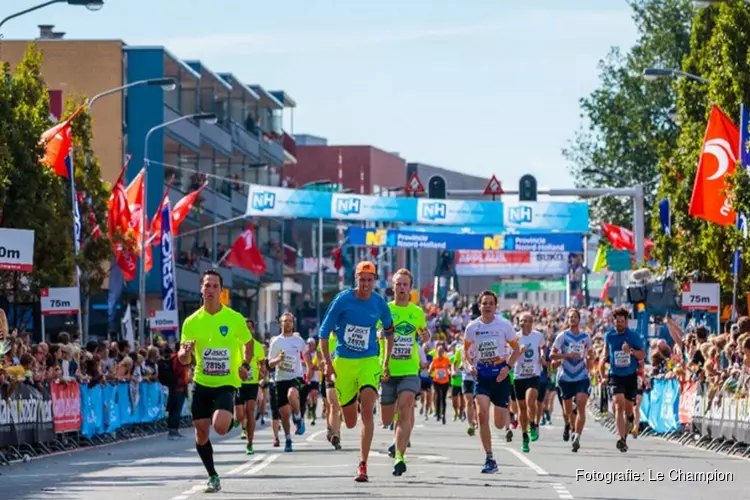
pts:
pixel 510 263
pixel 270 201
pixel 403 238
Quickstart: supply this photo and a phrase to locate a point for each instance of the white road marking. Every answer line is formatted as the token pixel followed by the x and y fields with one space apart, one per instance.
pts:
pixel 185 494
pixel 561 491
pixel 244 466
pixel 265 463
pixel 528 463
pixel 312 437
pixel 409 455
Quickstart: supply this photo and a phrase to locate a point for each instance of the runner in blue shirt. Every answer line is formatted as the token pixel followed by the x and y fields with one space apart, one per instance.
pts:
pixel 624 349
pixel 353 316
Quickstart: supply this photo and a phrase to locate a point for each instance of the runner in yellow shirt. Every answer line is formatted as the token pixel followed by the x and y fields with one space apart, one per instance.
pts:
pixel 247 396
pixel 215 336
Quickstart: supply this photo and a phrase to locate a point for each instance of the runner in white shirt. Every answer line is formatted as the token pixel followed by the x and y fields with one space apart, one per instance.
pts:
pixel 487 357
pixel 286 354
pixel 526 378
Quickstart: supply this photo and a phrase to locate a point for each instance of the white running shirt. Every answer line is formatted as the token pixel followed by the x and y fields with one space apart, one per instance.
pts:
pixel 529 365
pixel 293 348
pixel 487 344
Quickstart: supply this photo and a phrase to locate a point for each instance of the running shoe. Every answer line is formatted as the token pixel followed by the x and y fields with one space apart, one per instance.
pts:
pixel 392 450
pixel 213 485
pixel 525 443
pixel 243 435
pixel 509 436
pixel 249 450
pixel 276 443
pixel 471 430
pixel 566 433
pixel 490 466
pixel 399 467
pixel 533 432
pixel 300 424
pixel 576 443
pixel 361 476
pixel 288 444
pixel 336 442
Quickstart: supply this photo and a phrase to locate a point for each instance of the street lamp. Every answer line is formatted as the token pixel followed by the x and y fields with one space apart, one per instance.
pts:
pixel 652 74
pixel 202 117
pixel 639 230
pixel 167 84
pixel 92 5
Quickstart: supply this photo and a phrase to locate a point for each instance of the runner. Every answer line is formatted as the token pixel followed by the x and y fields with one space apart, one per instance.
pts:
pixel 468 392
pixel 425 393
pixel 247 396
pixel 486 357
pixel 526 381
pixel 624 349
pixel 457 371
pixel 216 336
pixel 398 393
pixel 328 389
pixel 353 315
pixel 441 373
pixel 572 347
pixel 287 356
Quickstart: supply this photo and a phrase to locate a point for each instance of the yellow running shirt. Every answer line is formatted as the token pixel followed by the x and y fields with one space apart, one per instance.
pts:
pixel 259 354
pixel 219 346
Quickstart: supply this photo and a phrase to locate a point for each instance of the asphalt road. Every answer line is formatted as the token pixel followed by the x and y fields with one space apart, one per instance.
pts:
pixel 443 463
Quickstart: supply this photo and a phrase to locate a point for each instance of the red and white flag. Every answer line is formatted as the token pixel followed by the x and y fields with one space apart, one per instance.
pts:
pixel 246 254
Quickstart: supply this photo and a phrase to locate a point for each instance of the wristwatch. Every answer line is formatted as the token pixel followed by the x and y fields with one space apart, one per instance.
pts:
pixel 246 366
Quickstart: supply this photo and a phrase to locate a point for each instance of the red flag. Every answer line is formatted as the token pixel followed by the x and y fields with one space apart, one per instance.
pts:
pixel 134 193
pixel 119 212
pixel 182 208
pixel 338 257
pixel 155 227
pixel 57 143
pixel 718 160
pixel 246 254
pixel 127 260
pixel 623 239
pixel 605 290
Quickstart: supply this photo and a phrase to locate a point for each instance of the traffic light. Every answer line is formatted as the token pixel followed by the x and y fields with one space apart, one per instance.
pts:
pixel 527 188
pixel 436 187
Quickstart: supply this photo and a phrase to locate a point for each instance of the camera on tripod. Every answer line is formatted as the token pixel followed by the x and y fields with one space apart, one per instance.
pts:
pixel 656 292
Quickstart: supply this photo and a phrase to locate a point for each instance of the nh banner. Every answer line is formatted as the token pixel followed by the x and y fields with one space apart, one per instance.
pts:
pixel 272 201
pixel 510 263
pixel 404 238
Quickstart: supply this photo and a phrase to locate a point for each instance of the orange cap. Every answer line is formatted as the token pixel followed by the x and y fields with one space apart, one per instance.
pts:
pixel 366 267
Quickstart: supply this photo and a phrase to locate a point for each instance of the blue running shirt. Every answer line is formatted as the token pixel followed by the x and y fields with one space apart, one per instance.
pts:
pixel 573 370
pixel 620 363
pixel 354 320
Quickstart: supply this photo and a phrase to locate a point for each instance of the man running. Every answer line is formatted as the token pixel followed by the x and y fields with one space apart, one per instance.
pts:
pixel 216 336
pixel 526 381
pixel 354 315
pixel 398 393
pixel 286 354
pixel 571 347
pixel 624 349
pixel 247 396
pixel 486 357
pixel 328 388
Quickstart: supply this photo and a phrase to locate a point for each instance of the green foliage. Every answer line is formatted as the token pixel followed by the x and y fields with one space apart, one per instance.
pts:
pixel 31 196
pixel 719 52
pixel 627 125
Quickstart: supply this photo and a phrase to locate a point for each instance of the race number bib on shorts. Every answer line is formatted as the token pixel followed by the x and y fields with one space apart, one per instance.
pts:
pixel 216 362
pixel 622 359
pixel 488 352
pixel 357 338
pixel 402 347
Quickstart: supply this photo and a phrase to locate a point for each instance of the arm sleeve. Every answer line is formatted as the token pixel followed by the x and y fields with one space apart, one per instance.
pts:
pixel 331 318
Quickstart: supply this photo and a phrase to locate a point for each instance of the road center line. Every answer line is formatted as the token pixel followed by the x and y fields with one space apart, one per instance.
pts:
pixel 527 462
pixel 244 466
pixel 265 463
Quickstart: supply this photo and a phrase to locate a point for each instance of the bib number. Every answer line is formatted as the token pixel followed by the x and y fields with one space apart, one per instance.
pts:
pixel 576 348
pixel 441 374
pixel 488 351
pixel 402 347
pixel 216 362
pixel 527 369
pixel 357 338
pixel 622 359
pixel 287 364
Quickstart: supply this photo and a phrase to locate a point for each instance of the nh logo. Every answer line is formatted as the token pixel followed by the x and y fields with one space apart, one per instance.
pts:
pixel 376 238
pixel 520 214
pixel 348 206
pixel 263 200
pixel 496 242
pixel 434 211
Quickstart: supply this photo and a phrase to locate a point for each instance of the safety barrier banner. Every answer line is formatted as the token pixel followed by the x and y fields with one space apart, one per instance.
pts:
pixel 66 406
pixel 25 416
pixel 663 405
pixel 108 408
pixel 272 201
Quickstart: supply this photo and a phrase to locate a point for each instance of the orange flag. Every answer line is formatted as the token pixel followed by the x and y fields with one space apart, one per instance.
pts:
pixel 57 143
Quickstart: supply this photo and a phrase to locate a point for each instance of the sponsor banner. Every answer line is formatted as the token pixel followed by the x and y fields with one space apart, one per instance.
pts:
pixel 272 201
pixel 16 249
pixel 506 263
pixel 701 296
pixel 66 406
pixel 56 301
pixel 26 417
pixel 168 284
pixel 570 217
pixel 404 238
pixel 163 320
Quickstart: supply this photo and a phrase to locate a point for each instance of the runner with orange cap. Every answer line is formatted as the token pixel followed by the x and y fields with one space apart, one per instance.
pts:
pixel 354 315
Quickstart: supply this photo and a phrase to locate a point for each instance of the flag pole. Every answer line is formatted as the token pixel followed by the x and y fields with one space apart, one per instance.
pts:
pixel 222 259
pixel 76 239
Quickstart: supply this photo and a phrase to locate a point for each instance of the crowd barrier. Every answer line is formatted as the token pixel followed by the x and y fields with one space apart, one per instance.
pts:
pixel 36 420
pixel 689 413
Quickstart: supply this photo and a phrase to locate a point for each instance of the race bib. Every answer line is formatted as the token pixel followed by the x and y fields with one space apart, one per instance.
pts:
pixel 576 348
pixel 622 359
pixel 402 347
pixel 441 374
pixel 287 364
pixel 216 362
pixel 357 338
pixel 487 351
pixel 528 368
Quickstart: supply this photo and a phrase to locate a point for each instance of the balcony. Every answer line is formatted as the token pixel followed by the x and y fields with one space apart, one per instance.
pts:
pixel 289 145
pixel 244 277
pixel 185 130
pixel 212 202
pixel 247 143
pixel 273 151
pixel 217 136
pixel 189 279
pixel 239 200
pixel 273 273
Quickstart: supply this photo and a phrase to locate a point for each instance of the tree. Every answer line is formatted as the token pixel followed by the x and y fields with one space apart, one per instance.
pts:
pixel 628 126
pixel 719 46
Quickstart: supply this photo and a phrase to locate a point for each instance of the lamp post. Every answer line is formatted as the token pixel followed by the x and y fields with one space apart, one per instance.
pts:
pixel 206 117
pixel 653 74
pixel 92 5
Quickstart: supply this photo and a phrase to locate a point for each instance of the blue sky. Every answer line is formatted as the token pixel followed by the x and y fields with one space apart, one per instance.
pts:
pixel 480 86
